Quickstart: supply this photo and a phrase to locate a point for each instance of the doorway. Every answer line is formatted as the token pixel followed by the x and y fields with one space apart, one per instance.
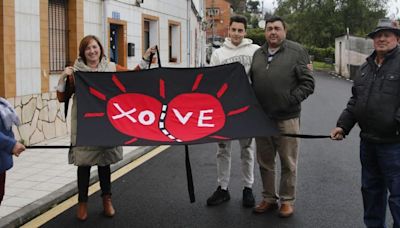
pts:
pixel 118 45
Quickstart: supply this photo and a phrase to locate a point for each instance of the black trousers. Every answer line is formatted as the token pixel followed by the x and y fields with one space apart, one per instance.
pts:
pixel 84 177
pixel 2 184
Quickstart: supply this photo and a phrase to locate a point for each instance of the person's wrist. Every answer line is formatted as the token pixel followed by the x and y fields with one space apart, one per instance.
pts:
pixel 143 64
pixel 60 88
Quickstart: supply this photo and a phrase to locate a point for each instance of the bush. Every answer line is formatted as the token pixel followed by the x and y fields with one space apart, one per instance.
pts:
pixel 322 66
pixel 322 54
pixel 257 35
pixel 319 54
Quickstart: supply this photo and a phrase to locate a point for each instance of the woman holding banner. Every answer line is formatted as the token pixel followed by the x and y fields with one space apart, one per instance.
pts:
pixel 8 145
pixel 91 58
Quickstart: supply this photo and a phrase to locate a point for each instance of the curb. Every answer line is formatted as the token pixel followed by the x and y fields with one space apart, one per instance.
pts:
pixel 339 76
pixel 45 203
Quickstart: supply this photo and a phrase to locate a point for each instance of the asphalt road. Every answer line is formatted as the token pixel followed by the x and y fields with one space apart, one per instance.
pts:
pixel 328 193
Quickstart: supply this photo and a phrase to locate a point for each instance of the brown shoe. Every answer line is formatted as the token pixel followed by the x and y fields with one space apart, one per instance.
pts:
pixel 108 207
pixel 264 207
pixel 82 211
pixel 286 210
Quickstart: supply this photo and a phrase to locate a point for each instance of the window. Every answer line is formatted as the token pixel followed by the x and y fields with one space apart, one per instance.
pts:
pixel 213 12
pixel 146 35
pixel 58 35
pixel 174 42
pixel 149 32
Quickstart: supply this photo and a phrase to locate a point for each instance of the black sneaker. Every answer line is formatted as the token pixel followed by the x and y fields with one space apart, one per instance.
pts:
pixel 218 197
pixel 248 198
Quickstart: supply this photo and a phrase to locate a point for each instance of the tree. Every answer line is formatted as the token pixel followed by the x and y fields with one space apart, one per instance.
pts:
pixel 253 6
pixel 238 6
pixel 257 35
pixel 268 14
pixel 318 22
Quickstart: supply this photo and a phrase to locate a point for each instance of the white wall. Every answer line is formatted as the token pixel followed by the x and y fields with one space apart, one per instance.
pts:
pixel 197 35
pixel 92 18
pixel 169 10
pixel 178 10
pixel 350 51
pixel 164 10
pixel 27 46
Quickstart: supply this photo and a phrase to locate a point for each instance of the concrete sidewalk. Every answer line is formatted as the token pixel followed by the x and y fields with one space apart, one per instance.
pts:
pixel 42 178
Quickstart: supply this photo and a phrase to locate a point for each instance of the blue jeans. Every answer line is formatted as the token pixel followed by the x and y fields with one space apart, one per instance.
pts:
pixel 380 173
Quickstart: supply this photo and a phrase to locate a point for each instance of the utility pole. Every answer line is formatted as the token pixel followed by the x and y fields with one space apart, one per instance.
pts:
pixel 262 9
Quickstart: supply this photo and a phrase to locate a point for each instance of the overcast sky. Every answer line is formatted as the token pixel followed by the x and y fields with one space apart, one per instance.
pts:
pixel 393 6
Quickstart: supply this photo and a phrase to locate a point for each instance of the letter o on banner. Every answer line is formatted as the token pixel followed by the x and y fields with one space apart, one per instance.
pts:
pixel 150 117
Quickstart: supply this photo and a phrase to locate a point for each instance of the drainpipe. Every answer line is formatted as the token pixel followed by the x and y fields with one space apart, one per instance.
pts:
pixel 203 36
pixel 105 34
pixel 188 31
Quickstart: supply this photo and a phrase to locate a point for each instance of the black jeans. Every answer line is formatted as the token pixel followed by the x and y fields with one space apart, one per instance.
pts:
pixel 2 184
pixel 84 177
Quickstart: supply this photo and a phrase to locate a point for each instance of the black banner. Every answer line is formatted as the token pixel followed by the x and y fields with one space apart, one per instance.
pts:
pixel 168 106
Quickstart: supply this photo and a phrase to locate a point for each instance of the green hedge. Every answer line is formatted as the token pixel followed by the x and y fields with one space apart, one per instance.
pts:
pixel 321 54
pixel 257 35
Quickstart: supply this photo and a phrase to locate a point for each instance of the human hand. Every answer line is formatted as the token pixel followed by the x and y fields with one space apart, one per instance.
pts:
pixel 337 133
pixel 310 67
pixel 149 51
pixel 71 81
pixel 68 71
pixel 18 149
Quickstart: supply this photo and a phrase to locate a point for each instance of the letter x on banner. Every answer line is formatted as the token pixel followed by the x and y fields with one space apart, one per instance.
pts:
pixel 177 106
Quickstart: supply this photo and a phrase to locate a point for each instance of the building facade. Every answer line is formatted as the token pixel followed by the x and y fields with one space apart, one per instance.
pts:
pixel 40 37
pixel 350 53
pixel 218 13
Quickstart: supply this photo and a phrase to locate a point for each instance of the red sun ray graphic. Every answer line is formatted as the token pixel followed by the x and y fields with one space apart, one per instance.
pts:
pixel 197 82
pixel 130 141
pixel 162 88
pixel 94 114
pixel 222 90
pixel 237 111
pixel 118 83
pixel 219 137
pixel 187 116
pixel 97 94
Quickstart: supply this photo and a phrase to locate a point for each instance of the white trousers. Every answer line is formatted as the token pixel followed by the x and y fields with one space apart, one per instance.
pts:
pixel 224 162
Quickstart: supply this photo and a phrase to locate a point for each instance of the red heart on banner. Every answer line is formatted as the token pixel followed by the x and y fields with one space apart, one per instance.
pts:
pixel 187 117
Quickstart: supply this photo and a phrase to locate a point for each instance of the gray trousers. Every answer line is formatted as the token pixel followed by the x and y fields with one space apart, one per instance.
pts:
pixel 287 148
pixel 247 147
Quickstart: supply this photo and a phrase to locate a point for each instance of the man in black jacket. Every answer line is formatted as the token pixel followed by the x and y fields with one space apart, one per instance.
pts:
pixel 375 106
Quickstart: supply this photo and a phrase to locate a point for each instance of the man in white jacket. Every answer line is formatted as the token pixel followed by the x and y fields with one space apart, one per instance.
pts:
pixel 236 48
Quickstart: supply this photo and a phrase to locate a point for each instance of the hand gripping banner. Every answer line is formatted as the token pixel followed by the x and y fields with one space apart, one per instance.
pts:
pixel 168 106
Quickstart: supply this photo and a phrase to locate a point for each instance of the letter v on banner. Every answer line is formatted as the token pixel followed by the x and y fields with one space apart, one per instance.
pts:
pixel 182 119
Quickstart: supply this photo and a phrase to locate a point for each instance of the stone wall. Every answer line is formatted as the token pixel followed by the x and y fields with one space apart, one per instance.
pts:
pixel 42 118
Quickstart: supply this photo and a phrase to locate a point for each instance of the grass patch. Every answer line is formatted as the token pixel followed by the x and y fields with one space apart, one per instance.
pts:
pixel 322 66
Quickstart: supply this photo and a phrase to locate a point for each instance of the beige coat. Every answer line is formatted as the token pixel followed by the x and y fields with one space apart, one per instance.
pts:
pixel 91 155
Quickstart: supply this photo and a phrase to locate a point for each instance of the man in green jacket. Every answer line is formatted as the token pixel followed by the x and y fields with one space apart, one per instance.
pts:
pixel 282 78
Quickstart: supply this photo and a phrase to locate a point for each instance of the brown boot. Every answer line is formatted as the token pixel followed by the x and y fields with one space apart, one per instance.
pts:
pixel 82 211
pixel 286 210
pixel 265 207
pixel 108 207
